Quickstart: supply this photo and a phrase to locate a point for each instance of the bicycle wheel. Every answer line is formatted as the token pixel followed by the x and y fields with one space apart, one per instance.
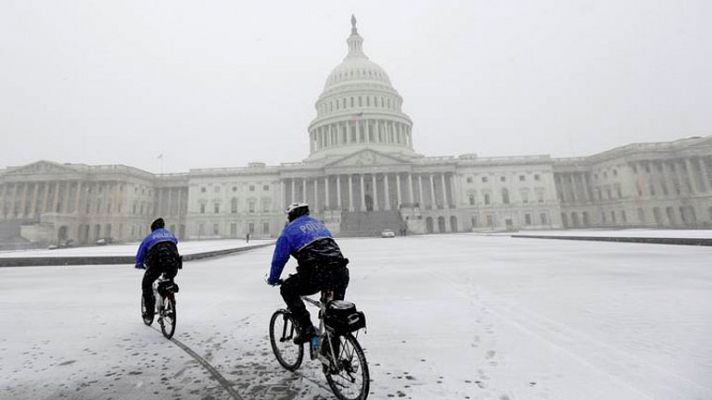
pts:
pixel 168 316
pixel 147 321
pixel 348 377
pixel 281 333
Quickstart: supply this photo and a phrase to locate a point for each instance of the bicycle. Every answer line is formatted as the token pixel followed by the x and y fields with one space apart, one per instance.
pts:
pixel 164 291
pixel 342 358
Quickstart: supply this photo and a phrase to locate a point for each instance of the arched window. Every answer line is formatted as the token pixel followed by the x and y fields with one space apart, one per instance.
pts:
pixel 505 196
pixel 233 205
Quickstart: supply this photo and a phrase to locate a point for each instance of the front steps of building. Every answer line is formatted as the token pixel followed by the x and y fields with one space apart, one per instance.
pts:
pixel 370 223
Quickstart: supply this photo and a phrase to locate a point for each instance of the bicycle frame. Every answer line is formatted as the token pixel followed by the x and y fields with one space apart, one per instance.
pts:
pixel 323 333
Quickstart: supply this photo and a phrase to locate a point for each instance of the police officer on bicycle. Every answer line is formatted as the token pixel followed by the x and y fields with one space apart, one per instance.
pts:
pixel 158 254
pixel 320 265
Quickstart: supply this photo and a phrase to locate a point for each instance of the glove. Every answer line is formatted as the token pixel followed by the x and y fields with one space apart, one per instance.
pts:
pixel 140 266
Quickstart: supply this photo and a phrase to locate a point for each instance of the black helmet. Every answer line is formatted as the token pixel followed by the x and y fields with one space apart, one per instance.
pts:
pixel 296 210
pixel 157 224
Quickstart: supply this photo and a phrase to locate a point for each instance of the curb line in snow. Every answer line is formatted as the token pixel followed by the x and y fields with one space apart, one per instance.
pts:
pixel 653 240
pixel 104 260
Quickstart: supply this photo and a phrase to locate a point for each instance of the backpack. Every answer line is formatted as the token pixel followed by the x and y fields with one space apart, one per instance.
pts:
pixel 164 255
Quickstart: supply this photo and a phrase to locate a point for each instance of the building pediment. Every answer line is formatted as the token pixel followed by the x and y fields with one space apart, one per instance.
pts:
pixel 42 167
pixel 366 157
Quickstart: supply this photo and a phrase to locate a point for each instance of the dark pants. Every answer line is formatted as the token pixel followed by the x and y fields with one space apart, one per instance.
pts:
pixel 308 281
pixel 152 273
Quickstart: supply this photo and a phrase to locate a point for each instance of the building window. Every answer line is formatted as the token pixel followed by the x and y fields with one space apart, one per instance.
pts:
pixel 202 190
pixel 234 188
pixel 472 199
pixel 487 198
pixel 502 179
pixel 251 227
pixel 527 219
pixel 233 229
pixel 505 196
pixel 484 179
pixel 216 208
pixel 265 188
pixel 251 207
pixel 217 189
pixel 536 177
pixel 216 230
pixel 542 217
pixel 252 188
pixel 469 179
pixel 522 178
pixel 265 228
pixel 202 208
pixel 233 205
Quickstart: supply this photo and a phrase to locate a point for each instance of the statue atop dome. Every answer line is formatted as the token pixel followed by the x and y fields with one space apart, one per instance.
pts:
pixel 353 25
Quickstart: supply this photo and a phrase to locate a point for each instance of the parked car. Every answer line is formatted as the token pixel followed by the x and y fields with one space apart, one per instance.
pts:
pixel 387 233
pixel 104 241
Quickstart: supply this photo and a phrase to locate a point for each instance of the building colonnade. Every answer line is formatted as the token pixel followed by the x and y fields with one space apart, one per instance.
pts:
pixel 380 191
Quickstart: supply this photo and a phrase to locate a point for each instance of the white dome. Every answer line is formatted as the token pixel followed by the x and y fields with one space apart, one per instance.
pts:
pixel 359 108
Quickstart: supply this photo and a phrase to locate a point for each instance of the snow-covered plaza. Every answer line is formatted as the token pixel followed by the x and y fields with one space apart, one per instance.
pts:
pixel 449 317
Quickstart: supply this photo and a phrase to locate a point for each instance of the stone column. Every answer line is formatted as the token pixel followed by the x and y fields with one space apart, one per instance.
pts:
pixel 375 192
pixel 434 203
pixel 282 194
pixel 442 182
pixel 23 200
pixel 410 188
pixel 327 203
pixel 351 195
pixel 420 191
pixel 398 191
pixel 65 203
pixel 705 175
pixel 2 200
pixel 693 179
pixel 338 192
pixel 386 189
pixel 33 203
pixel 316 193
pixel 45 197
pixel 363 195
pixel 304 190
pixel 292 194
pixel 684 178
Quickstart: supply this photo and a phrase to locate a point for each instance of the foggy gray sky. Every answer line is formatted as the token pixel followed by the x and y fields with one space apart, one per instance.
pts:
pixel 221 83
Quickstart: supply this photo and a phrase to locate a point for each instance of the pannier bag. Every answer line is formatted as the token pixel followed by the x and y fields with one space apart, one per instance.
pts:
pixel 165 286
pixel 342 317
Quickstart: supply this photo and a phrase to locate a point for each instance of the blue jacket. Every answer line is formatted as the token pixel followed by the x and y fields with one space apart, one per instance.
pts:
pixel 296 236
pixel 157 236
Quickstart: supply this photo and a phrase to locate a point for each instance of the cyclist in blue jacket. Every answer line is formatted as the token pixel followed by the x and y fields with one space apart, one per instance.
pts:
pixel 320 265
pixel 157 254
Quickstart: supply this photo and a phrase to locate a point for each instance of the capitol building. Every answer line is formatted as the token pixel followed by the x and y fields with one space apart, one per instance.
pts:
pixel 363 175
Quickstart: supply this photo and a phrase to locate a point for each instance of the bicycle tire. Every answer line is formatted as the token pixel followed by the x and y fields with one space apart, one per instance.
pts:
pixel 168 316
pixel 147 321
pixel 281 333
pixel 339 376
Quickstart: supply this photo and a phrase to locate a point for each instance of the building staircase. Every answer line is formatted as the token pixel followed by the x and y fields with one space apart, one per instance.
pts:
pixel 370 223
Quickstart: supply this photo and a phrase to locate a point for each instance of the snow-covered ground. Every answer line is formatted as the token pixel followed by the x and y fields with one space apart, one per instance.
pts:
pixel 130 249
pixel 449 317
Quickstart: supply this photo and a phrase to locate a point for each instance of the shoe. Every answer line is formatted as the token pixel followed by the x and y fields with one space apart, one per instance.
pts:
pixel 147 315
pixel 315 346
pixel 305 335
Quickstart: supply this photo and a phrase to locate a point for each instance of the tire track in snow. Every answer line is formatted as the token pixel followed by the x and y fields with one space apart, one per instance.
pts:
pixel 214 372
